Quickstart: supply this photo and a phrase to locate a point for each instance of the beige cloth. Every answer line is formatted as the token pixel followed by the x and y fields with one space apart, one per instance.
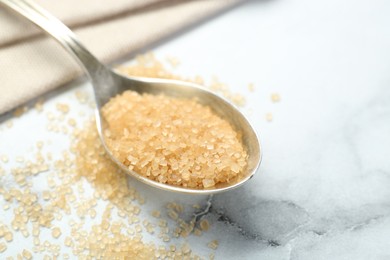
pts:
pixel 32 64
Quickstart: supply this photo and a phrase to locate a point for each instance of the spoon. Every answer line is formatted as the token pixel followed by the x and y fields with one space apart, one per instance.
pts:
pixel 107 84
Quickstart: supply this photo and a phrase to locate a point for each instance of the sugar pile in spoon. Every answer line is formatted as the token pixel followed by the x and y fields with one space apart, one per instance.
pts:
pixel 175 141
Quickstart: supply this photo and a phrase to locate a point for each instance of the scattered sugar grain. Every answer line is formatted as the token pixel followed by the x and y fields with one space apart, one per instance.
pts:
pixel 56 232
pixel 3 247
pixel 72 122
pixel 269 117
pixel 81 96
pixel 68 242
pixel 213 244
pixel 275 97
pixel 25 233
pixel 156 213
pixel 204 224
pixel 8 236
pixel 63 108
pixel 251 87
pixel 185 249
pixel 199 80
pixel 173 215
pixel 9 123
pixel 4 158
pixel 36 241
pixel 148 66
pixel 174 62
pixel 39 105
pixel 27 254
pixel 237 99
pixel 92 213
pixel 39 144
pixel 18 112
pixel 197 232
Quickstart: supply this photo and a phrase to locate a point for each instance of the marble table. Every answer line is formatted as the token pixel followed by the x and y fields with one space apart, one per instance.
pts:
pixel 323 188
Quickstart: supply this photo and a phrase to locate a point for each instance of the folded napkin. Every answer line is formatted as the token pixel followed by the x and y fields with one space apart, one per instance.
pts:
pixel 32 64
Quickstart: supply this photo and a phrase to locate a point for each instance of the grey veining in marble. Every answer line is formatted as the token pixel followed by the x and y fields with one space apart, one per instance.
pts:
pixel 323 190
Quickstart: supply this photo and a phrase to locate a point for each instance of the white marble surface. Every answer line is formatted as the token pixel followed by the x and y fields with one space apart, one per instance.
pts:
pixel 322 191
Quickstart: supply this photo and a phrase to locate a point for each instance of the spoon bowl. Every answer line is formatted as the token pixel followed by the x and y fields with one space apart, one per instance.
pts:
pixel 108 83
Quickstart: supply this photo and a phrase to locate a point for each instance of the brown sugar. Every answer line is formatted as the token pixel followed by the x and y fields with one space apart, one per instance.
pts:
pixel 56 232
pixel 172 140
pixel 149 66
pixel 81 179
pixel 275 97
pixel 213 244
pixel 269 117
pixel 204 224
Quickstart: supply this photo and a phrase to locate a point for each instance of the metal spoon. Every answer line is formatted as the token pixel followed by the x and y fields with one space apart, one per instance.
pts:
pixel 107 83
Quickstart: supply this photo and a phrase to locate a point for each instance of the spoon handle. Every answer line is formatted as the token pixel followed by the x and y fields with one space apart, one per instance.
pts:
pixel 59 32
